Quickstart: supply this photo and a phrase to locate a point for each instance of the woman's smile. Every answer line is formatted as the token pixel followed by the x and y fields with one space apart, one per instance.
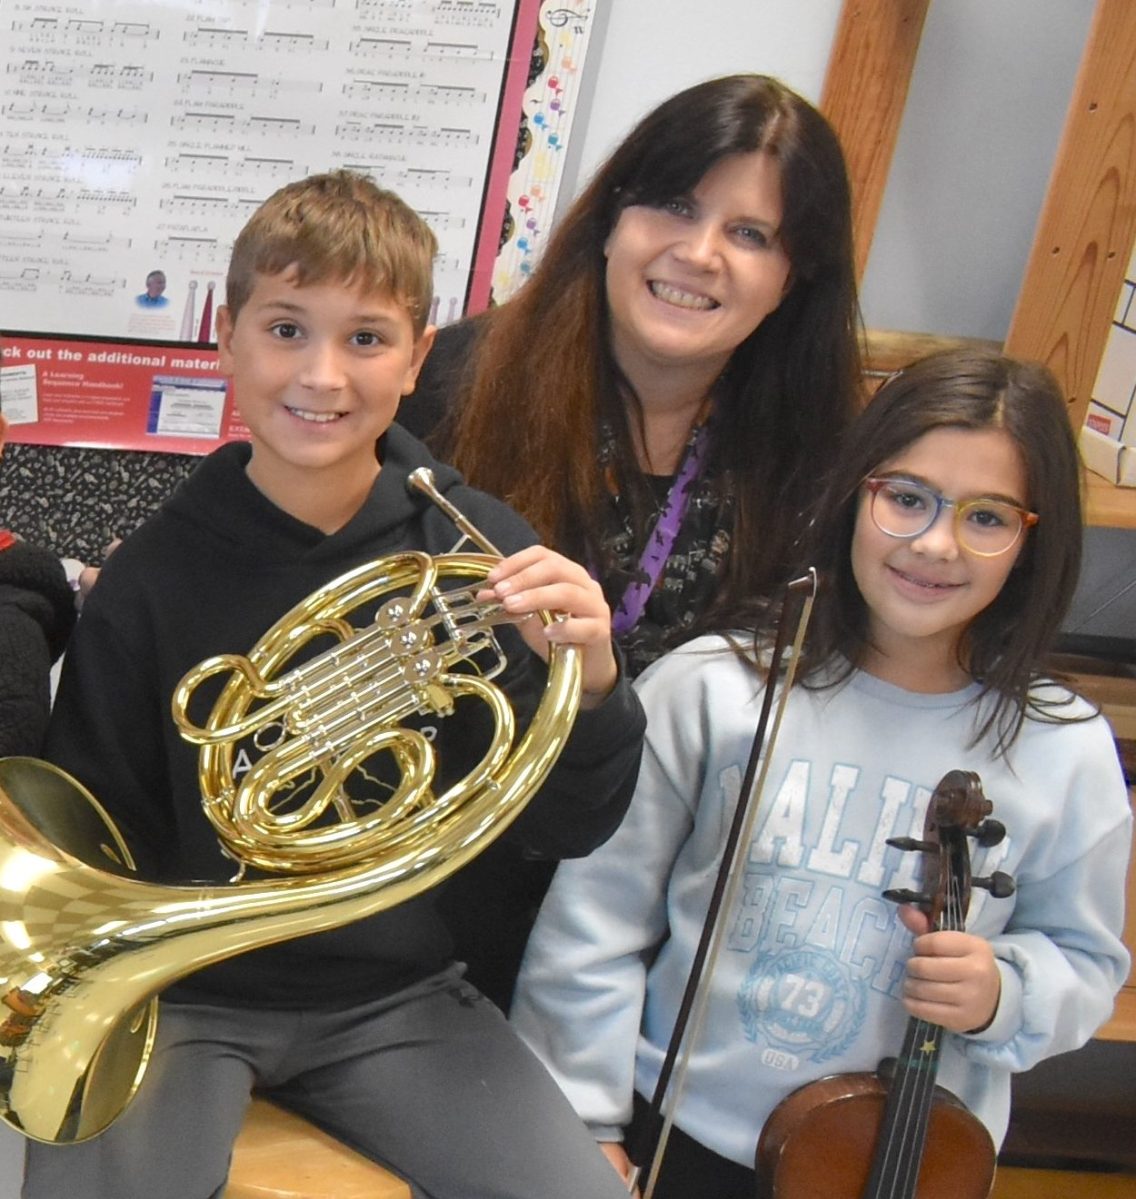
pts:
pixel 689 280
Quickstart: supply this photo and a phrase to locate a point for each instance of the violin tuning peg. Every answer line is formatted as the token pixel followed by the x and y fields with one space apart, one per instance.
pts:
pixel 990 832
pixel 905 895
pixel 906 843
pixel 999 884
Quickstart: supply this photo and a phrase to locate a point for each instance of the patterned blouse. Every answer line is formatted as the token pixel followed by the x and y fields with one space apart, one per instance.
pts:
pixel 689 578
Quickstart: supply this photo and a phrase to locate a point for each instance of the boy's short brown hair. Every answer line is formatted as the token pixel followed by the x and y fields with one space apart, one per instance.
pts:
pixel 337 226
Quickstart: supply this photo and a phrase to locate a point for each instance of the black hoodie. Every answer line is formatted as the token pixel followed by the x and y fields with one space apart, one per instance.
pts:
pixel 210 573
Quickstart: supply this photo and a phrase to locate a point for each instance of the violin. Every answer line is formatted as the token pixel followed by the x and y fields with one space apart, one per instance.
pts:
pixel 895 1134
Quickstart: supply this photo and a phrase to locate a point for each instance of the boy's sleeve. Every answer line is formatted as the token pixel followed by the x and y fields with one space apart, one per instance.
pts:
pixel 588 789
pixel 25 663
pixel 590 786
pixel 106 729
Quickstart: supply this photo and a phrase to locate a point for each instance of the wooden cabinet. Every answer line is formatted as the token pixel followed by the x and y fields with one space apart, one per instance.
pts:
pixel 1084 236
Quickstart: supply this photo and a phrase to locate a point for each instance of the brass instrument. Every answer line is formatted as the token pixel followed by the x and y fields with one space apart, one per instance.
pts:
pixel 85 947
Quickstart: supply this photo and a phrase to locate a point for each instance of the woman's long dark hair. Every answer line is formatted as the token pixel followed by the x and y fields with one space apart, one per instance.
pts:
pixel 527 428
pixel 1005 644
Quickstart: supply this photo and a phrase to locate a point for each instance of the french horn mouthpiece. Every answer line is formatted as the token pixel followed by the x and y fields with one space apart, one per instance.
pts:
pixel 422 480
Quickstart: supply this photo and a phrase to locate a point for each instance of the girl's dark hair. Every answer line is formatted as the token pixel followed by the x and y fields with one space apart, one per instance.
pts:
pixel 527 429
pixel 1005 644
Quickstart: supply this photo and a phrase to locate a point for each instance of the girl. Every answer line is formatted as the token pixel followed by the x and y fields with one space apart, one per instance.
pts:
pixel 664 387
pixel 948 549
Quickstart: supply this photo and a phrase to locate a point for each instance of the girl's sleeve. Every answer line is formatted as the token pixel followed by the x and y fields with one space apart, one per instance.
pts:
pixel 1061 954
pixel 580 995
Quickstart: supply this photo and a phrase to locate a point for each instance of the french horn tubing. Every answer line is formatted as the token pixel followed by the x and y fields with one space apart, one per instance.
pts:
pixel 85 947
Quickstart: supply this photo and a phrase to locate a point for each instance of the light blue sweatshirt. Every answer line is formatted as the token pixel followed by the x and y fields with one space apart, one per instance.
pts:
pixel 809 978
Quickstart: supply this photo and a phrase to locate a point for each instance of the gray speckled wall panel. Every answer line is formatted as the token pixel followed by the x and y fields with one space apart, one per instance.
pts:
pixel 74 501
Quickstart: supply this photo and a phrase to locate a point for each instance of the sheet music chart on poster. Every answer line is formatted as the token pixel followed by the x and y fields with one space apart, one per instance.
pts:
pixel 136 139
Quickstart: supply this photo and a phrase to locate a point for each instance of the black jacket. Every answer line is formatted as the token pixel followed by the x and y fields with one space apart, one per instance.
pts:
pixel 37 612
pixel 442 382
pixel 209 574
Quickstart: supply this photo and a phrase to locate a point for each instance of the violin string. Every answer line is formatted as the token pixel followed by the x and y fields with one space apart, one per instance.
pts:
pixel 921 1111
pixel 897 1114
pixel 928 1034
pixel 905 1171
pixel 950 920
pixel 914 1086
pixel 920 1122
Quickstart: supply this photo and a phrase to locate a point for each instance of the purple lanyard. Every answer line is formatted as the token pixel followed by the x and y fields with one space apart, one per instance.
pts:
pixel 661 539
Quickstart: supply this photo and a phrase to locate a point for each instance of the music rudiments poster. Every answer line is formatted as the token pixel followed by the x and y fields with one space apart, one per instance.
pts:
pixel 137 138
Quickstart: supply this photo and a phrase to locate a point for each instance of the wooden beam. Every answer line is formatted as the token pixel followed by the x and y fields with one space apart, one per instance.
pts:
pixel 1085 233
pixel 888 350
pixel 865 89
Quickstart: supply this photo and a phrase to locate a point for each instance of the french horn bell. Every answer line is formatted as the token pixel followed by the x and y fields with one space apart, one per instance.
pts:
pixel 85 947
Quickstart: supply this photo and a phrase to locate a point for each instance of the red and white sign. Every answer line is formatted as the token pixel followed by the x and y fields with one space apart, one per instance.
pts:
pixel 167 398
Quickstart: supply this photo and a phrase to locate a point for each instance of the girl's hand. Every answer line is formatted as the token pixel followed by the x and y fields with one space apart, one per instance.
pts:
pixel 952 977
pixel 538 578
pixel 617 1155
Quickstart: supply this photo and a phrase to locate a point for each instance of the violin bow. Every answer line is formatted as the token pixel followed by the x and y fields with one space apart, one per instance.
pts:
pixel 655 1128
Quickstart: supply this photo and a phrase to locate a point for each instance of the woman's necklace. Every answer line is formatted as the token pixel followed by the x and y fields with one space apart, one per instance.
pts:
pixel 661 539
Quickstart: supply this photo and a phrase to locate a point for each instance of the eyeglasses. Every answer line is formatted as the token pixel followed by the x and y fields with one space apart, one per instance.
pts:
pixel 901 508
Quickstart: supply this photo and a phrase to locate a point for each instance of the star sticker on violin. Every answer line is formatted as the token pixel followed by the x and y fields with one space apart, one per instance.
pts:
pixel 928 1046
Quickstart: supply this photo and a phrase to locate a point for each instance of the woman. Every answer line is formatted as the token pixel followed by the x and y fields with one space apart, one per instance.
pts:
pixel 670 382
pixel 681 362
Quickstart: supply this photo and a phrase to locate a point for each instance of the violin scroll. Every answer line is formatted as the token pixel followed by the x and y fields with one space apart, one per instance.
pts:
pixel 958 809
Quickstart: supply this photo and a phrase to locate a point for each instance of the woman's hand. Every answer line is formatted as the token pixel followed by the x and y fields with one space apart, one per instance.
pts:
pixel 538 578
pixel 952 977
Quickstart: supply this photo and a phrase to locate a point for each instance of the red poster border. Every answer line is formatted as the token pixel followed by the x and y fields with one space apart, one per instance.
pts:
pixel 503 157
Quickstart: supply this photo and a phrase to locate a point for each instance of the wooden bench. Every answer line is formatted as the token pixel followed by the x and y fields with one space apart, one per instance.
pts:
pixel 280 1156
pixel 1061 1184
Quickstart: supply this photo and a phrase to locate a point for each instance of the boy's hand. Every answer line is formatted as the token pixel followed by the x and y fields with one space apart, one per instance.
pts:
pixel 537 578
pixel 952 977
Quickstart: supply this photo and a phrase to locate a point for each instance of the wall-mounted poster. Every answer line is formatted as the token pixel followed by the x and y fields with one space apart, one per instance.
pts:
pixel 137 137
pixel 548 109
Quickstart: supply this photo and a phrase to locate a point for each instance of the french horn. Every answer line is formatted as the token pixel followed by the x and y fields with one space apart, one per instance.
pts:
pixel 85 948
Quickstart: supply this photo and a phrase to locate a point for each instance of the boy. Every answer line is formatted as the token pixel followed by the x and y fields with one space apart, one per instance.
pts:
pixel 368 1029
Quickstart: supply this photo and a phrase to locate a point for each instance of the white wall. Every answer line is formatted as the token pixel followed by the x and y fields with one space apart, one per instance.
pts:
pixel 645 50
pixel 982 124
pixel 982 121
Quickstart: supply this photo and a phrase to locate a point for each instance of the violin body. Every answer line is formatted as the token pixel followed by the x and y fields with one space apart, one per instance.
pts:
pixel 819 1142
pixel 895 1134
